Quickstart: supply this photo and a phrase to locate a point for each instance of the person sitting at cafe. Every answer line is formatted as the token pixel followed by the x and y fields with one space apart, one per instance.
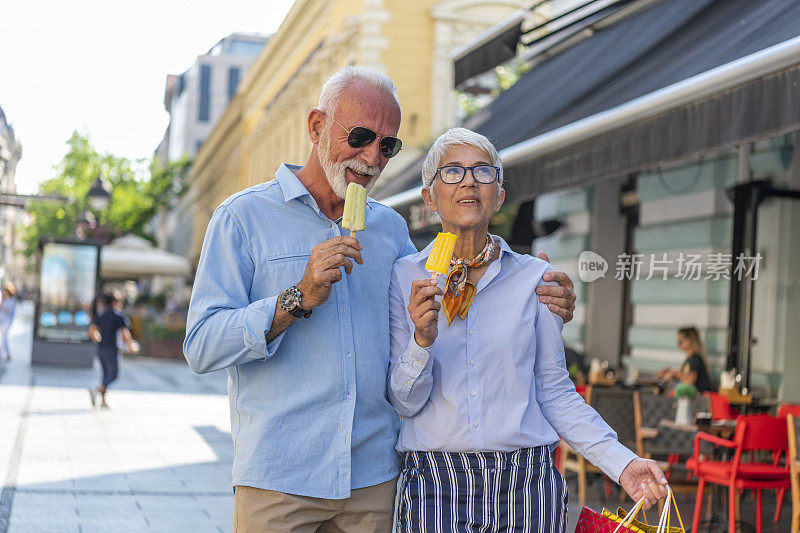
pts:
pixel 694 370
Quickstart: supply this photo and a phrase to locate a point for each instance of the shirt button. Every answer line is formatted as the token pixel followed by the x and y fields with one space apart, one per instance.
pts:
pixel 474 424
pixel 472 332
pixel 348 395
pixel 419 363
pixel 343 309
pixel 473 393
pixel 349 355
pixel 408 382
pixel 473 362
pixel 333 226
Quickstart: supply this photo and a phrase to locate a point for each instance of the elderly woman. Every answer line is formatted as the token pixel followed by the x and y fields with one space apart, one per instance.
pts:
pixel 480 378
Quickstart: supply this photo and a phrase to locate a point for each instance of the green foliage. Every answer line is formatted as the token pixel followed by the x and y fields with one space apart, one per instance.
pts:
pixel 505 76
pixel 685 390
pixel 137 193
pixel 502 222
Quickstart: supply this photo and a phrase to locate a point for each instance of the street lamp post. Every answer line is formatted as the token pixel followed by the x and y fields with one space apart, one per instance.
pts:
pixel 98 195
pixel 98 198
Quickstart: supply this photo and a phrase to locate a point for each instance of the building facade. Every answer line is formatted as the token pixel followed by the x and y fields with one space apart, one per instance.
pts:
pixel 12 265
pixel 265 124
pixel 195 100
pixel 672 171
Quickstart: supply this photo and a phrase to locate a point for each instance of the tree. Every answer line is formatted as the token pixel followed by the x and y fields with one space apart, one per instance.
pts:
pixel 138 191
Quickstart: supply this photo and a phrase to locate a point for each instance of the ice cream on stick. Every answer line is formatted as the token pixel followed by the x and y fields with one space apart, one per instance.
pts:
pixel 355 209
pixel 441 253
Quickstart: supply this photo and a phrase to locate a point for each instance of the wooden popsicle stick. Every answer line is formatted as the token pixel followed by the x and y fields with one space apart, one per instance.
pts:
pixel 433 276
pixel 353 233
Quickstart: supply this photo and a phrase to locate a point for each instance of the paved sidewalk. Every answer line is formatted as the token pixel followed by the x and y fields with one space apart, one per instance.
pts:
pixel 158 460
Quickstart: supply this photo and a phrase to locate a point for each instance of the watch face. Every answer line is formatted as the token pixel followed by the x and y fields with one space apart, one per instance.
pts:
pixel 288 299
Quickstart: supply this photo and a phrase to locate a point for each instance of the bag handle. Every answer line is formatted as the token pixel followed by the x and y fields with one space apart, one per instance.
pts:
pixel 664 521
pixel 631 515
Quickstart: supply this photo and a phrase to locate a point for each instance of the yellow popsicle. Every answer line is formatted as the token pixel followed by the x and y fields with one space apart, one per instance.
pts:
pixel 355 209
pixel 439 260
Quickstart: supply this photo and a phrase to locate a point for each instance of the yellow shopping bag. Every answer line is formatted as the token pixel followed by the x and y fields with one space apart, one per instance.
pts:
pixel 629 519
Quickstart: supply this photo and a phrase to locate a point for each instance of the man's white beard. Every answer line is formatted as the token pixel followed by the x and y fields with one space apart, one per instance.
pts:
pixel 335 172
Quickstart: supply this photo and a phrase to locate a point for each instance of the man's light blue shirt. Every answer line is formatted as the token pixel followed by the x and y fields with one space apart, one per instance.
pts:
pixel 309 411
pixel 496 381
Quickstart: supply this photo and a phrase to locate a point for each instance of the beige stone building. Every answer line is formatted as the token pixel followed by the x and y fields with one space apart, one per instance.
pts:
pixel 265 124
pixel 12 264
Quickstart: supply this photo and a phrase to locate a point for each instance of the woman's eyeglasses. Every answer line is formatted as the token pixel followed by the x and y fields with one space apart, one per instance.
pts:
pixel 359 137
pixel 452 174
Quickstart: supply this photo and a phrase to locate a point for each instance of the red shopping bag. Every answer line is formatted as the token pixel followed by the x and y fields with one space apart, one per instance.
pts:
pixel 591 521
pixel 606 522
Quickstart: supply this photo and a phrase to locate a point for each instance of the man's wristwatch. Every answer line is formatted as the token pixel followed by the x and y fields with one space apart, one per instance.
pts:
pixel 289 300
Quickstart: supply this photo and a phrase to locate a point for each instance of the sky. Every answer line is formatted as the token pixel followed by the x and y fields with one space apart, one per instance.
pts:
pixel 99 67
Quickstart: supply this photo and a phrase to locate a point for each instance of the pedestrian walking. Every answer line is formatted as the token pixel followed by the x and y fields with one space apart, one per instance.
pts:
pixel 297 311
pixel 7 306
pixel 103 330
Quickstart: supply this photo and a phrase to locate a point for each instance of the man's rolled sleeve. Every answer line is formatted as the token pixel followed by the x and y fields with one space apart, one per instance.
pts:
pixel 223 327
pixel 258 317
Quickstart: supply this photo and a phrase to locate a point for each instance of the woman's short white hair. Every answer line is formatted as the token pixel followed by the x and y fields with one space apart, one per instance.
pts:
pixel 454 137
pixel 332 91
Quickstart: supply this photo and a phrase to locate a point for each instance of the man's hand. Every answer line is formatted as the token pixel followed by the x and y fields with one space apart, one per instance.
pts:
pixel 322 270
pixel 643 477
pixel 561 299
pixel 424 310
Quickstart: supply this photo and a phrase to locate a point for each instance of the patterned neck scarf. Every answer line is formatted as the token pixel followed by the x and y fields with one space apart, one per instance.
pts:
pixel 459 290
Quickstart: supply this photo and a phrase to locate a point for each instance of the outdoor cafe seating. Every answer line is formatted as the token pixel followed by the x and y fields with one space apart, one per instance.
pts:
pixel 754 433
pixel 616 406
pixel 735 448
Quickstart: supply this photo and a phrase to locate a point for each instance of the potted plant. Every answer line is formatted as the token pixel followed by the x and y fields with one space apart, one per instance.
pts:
pixel 684 394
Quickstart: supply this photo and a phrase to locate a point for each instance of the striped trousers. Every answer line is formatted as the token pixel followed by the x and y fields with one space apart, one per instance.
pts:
pixel 519 491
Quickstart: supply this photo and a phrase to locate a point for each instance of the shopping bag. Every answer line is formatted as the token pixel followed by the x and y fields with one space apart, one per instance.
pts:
pixel 590 521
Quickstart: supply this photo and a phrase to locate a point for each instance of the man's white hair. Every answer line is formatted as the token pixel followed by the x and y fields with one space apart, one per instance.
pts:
pixel 454 137
pixel 332 91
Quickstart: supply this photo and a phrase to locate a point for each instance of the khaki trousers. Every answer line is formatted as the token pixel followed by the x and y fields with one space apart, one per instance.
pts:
pixel 367 510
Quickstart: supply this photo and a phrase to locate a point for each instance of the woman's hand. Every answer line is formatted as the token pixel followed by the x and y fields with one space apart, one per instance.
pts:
pixel 424 310
pixel 643 478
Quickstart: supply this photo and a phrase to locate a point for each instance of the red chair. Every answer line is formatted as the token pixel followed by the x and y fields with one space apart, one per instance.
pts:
pixel 721 408
pixel 753 432
pixel 787 409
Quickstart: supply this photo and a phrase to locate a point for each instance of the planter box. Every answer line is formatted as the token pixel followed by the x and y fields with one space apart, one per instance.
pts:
pixel 166 348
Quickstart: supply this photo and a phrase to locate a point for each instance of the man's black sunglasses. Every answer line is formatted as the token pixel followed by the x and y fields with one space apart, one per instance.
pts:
pixel 359 137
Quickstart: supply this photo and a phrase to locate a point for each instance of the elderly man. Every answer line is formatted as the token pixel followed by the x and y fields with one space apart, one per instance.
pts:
pixel 306 347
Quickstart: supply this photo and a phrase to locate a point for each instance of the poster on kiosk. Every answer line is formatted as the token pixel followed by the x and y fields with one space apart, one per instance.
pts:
pixel 68 285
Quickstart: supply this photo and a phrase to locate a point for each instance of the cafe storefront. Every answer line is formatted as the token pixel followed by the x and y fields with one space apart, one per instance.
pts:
pixel 662 140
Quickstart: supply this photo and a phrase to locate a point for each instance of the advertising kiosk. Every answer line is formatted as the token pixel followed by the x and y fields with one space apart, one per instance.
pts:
pixel 69 279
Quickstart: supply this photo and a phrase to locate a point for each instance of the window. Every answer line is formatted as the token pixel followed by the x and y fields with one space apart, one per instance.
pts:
pixel 205 93
pixel 239 47
pixel 234 73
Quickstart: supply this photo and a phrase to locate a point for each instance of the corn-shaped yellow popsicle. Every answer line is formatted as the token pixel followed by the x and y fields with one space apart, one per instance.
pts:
pixel 355 209
pixel 441 253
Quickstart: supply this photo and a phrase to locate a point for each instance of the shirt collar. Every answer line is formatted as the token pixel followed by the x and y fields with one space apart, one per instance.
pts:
pixel 505 249
pixel 291 186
